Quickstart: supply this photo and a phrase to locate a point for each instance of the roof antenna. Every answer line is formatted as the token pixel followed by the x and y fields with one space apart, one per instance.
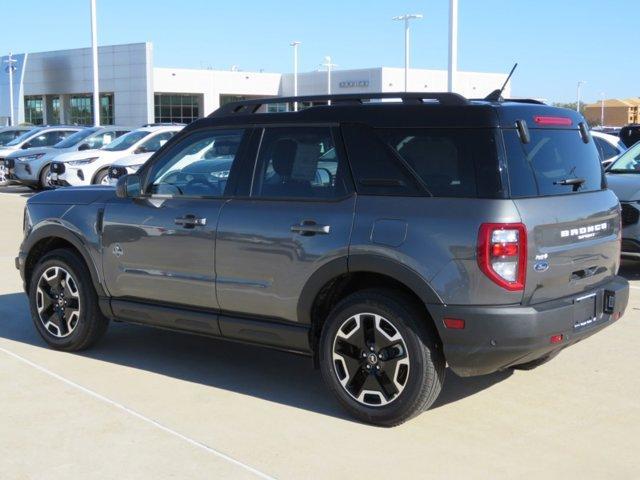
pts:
pixel 496 95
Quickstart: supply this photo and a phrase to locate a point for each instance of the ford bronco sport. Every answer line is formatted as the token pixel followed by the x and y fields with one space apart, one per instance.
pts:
pixel 384 239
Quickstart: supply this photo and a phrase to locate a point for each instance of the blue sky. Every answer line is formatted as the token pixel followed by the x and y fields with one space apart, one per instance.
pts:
pixel 556 42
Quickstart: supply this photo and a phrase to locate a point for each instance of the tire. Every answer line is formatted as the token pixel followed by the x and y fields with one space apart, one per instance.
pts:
pixel 44 180
pixel 72 283
pixel 100 176
pixel 406 385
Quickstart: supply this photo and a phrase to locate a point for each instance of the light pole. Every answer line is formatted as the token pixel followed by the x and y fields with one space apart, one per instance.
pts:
pixel 602 109
pixel 94 55
pixel 578 90
pixel 10 69
pixel 327 63
pixel 453 45
pixel 295 45
pixel 406 18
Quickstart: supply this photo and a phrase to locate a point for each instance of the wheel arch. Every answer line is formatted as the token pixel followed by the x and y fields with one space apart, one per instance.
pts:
pixel 343 276
pixel 52 237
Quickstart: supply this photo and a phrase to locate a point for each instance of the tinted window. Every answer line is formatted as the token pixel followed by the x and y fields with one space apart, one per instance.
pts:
pixel 299 162
pixel 606 150
pixel 198 165
pixel 9 135
pixel 154 143
pixel 458 162
pixel 629 161
pixel 375 168
pixel 18 140
pixel 127 141
pixel 539 167
pixel 49 138
pixel 77 137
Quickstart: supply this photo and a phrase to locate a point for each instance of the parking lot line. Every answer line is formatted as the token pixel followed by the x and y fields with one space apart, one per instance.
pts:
pixel 133 413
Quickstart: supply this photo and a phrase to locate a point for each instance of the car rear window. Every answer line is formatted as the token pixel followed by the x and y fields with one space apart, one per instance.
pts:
pixel 450 162
pixel 553 156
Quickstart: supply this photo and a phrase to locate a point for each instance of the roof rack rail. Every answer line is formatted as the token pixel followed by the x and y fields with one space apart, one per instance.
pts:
pixel 525 100
pixel 252 106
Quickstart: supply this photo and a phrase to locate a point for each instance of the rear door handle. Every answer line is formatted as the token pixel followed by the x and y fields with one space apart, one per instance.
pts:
pixel 190 221
pixel 309 227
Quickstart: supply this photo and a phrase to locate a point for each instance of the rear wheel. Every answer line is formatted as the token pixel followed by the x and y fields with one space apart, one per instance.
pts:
pixel 102 177
pixel 45 181
pixel 64 303
pixel 379 358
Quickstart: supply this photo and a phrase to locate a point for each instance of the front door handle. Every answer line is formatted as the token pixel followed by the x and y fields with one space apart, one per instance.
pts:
pixel 190 221
pixel 309 227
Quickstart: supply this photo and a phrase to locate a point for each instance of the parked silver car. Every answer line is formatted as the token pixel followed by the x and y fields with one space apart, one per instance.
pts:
pixel 36 137
pixel 32 167
pixel 9 134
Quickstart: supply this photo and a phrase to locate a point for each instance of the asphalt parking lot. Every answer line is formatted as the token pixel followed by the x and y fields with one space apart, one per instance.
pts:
pixel 147 403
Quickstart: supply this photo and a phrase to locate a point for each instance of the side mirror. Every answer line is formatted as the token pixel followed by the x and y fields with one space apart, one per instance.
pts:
pixel 140 149
pixel 129 186
pixel 84 146
pixel 26 145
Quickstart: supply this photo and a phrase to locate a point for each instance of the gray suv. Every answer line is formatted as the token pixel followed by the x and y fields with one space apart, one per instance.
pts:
pixel 386 240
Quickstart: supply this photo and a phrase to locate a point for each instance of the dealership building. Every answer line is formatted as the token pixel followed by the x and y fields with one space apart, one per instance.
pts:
pixel 55 87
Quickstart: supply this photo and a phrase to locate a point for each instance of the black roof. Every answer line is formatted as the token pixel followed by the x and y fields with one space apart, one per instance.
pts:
pixel 414 109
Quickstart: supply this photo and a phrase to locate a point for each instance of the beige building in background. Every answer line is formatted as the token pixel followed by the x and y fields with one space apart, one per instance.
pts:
pixel 617 112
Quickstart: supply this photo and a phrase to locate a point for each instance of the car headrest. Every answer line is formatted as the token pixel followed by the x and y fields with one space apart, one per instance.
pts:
pixel 283 156
pixel 223 148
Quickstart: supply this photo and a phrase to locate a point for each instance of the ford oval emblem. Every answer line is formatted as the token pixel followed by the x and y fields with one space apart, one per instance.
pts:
pixel 541 266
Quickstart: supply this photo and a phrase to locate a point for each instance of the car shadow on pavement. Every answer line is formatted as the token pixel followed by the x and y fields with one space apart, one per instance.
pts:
pixel 250 370
pixel 18 190
pixel 630 269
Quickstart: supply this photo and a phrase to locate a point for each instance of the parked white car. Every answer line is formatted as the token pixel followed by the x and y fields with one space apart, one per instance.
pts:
pixel 126 166
pixel 609 147
pixel 92 166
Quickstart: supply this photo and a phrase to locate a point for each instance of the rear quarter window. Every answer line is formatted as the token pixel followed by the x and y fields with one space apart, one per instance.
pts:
pixel 450 162
pixel 537 168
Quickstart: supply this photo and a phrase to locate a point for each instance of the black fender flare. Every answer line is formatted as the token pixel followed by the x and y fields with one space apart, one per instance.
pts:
pixel 369 263
pixel 59 231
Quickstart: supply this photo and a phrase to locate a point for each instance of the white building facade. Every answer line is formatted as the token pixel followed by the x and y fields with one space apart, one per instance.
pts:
pixel 55 87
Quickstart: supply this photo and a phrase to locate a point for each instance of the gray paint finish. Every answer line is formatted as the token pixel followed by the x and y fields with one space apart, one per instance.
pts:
pixel 262 265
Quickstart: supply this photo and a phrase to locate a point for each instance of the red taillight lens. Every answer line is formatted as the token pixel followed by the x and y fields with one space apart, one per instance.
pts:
pixel 502 254
pixel 556 338
pixel 544 120
pixel 454 323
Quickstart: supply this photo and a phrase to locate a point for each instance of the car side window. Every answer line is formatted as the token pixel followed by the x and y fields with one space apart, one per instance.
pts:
pixel 299 162
pixel 198 165
pixel 155 143
pixel 100 140
pixel 607 150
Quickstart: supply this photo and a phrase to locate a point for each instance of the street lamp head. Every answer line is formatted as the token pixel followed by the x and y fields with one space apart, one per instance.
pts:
pixel 408 16
pixel 295 43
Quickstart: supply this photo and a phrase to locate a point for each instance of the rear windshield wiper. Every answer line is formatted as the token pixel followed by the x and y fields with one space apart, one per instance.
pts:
pixel 571 181
pixel 575 182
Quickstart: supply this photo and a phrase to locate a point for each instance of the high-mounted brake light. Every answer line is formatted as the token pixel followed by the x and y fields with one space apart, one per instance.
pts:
pixel 502 254
pixel 546 121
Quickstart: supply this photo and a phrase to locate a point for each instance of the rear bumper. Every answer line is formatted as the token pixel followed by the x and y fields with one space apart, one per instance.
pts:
pixel 495 338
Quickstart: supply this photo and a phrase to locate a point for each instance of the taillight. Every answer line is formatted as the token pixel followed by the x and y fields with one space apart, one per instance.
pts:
pixel 502 253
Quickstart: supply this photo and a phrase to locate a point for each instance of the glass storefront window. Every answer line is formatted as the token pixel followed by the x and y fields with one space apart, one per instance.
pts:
pixel 34 110
pixel 81 109
pixel 176 108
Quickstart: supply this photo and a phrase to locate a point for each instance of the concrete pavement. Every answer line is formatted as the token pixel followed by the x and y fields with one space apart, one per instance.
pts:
pixel 147 403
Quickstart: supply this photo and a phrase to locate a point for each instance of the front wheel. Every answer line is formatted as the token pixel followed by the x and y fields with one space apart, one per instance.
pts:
pixel 380 358
pixel 64 303
pixel 46 181
pixel 102 177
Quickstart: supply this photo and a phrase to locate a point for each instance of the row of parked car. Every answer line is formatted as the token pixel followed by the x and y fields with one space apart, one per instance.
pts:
pixel 61 155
